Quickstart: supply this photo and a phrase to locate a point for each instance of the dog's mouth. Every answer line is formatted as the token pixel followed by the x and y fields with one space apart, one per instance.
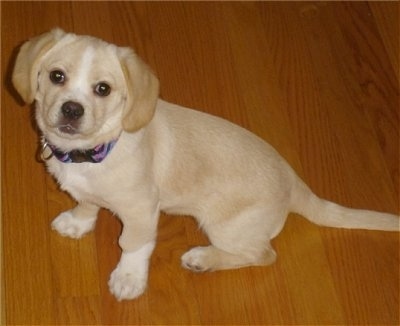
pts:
pixel 68 126
pixel 68 129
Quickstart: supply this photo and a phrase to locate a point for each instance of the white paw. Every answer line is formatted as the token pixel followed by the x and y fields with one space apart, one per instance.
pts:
pixel 68 225
pixel 129 279
pixel 196 259
pixel 127 284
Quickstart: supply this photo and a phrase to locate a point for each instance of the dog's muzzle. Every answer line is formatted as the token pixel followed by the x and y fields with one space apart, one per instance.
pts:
pixel 71 114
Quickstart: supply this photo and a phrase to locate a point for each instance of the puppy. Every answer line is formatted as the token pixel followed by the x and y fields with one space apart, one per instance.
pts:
pixel 111 142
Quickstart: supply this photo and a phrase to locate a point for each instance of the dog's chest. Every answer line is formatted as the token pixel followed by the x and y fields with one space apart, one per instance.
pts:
pixel 85 182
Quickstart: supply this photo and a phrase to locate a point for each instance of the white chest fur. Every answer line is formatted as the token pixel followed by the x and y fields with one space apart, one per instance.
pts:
pixel 105 183
pixel 84 181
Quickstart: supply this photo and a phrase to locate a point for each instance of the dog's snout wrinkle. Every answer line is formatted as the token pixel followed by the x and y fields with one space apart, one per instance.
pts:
pixel 72 110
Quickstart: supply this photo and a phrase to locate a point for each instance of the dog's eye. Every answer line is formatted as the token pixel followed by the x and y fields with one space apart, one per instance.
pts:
pixel 102 89
pixel 57 77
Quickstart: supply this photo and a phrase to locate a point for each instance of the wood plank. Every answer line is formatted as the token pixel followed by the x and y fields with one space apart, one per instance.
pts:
pixel 386 15
pixel 26 239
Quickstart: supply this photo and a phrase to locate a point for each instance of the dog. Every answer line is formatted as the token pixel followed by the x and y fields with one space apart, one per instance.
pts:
pixel 111 142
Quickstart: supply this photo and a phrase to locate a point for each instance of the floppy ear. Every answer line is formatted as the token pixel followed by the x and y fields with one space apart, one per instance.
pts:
pixel 142 91
pixel 27 65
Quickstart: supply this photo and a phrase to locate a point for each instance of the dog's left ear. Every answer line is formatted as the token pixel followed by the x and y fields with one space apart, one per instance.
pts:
pixel 142 91
pixel 27 65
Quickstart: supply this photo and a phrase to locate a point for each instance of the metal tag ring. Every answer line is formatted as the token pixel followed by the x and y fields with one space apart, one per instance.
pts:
pixel 42 155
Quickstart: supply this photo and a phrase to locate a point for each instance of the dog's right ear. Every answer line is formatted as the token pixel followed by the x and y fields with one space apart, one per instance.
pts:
pixel 27 64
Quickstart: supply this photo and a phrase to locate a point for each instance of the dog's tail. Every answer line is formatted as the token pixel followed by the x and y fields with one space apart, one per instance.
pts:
pixel 326 213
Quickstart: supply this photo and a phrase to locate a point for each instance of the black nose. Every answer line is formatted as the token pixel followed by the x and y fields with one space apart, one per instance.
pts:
pixel 72 110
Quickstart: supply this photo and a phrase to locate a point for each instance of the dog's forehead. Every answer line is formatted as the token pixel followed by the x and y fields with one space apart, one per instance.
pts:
pixel 72 52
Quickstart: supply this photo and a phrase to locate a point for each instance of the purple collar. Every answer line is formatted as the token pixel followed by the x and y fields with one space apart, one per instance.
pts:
pixel 93 155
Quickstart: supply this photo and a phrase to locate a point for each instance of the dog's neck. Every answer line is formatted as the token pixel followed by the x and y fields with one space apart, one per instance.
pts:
pixel 92 155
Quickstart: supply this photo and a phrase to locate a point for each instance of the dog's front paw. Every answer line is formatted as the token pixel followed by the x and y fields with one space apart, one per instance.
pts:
pixel 69 226
pixel 127 285
pixel 129 279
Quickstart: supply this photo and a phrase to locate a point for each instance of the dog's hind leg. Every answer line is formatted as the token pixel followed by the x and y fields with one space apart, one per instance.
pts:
pixel 210 258
pixel 241 241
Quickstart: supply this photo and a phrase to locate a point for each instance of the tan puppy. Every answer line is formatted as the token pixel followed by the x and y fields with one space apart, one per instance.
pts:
pixel 110 142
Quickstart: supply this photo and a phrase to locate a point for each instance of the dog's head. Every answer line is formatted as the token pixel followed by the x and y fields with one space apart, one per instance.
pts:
pixel 86 90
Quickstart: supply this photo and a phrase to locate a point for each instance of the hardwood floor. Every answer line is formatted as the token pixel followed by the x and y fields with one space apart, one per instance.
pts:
pixel 319 81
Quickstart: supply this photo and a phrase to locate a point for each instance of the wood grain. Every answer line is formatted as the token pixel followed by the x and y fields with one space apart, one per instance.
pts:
pixel 319 81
